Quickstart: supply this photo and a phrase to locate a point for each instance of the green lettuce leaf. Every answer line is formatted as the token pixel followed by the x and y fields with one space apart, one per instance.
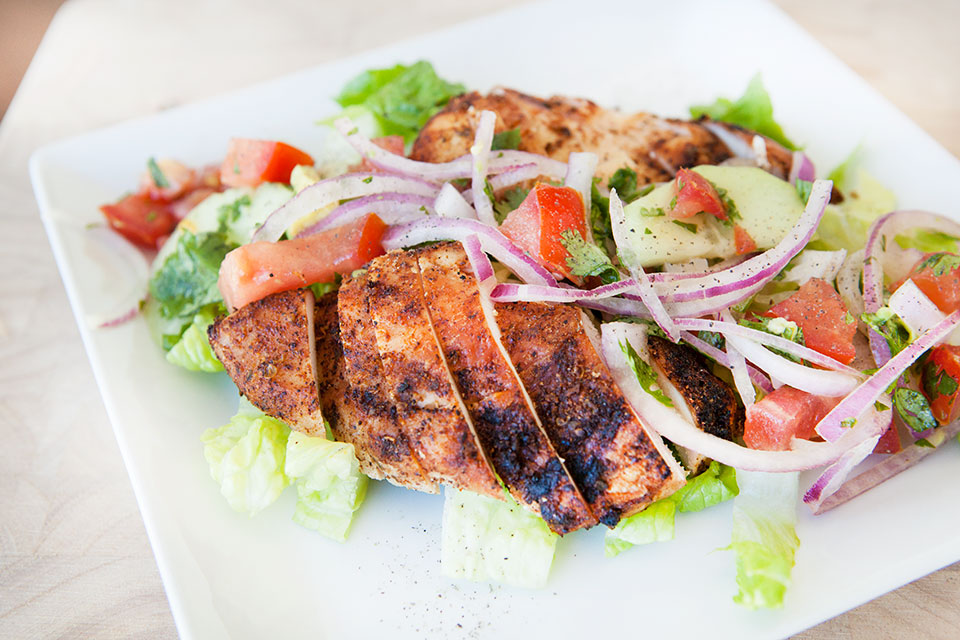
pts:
pixel 192 351
pixel 753 110
pixel 715 485
pixel 764 536
pixel 402 97
pixel 928 241
pixel 330 487
pixel 246 458
pixel 487 539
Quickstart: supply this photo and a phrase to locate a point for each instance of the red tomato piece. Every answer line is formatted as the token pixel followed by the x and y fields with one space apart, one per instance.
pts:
pixel 889 442
pixel 537 224
pixel 941 382
pixel 178 178
pixel 254 271
pixel 743 241
pixel 937 277
pixel 253 162
pixel 393 144
pixel 785 414
pixel 827 325
pixel 143 221
pixel 695 194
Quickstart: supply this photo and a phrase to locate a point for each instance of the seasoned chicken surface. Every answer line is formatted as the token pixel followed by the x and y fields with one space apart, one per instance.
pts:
pixel 505 421
pixel 340 409
pixel 267 347
pixel 713 404
pixel 418 380
pixel 380 434
pixel 619 466
pixel 652 146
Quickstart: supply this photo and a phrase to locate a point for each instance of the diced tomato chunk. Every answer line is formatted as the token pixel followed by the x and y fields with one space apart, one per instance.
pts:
pixel 143 221
pixel 827 325
pixel 393 144
pixel 937 275
pixel 695 194
pixel 177 179
pixel 889 442
pixel 253 162
pixel 785 414
pixel 743 241
pixel 254 271
pixel 941 382
pixel 537 224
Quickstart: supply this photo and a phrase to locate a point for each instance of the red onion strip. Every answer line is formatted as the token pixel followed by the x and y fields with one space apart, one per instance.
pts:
pixel 801 168
pixel 482 268
pixel 848 283
pixel 738 367
pixel 480 152
pixel 392 208
pixel 451 204
pixel 834 476
pixel 509 178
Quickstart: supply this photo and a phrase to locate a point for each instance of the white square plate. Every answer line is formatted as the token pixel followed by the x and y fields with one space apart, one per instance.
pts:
pixel 230 576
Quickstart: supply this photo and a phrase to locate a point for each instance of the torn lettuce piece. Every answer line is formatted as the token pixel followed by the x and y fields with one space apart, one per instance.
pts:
pixel 193 351
pixel 487 539
pixel 753 110
pixel 246 458
pixel 330 487
pixel 764 536
pixel 718 483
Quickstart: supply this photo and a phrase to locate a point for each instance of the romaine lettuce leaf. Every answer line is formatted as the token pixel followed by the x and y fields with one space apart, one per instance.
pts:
pixel 330 487
pixel 753 110
pixel 487 539
pixel 246 458
pixel 192 351
pixel 764 536
pixel 715 485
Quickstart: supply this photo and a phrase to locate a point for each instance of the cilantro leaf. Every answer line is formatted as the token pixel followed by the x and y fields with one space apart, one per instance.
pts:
pixel 778 327
pixel 914 409
pixel 156 174
pixel 624 180
pixel 753 110
pixel 689 226
pixel 928 241
pixel 506 140
pixel 646 376
pixel 187 280
pixel 803 190
pixel 891 327
pixel 230 213
pixel 402 97
pixel 587 259
pixel 599 213
pixel 508 201
pixel 940 263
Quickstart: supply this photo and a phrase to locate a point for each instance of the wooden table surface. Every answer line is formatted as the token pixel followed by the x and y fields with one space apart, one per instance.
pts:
pixel 74 557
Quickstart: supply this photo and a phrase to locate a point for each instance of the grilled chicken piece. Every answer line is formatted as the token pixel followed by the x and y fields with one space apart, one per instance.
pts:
pixel 377 429
pixel 267 347
pixel 418 381
pixel 711 402
pixel 506 423
pixel 653 147
pixel 619 466
pixel 342 412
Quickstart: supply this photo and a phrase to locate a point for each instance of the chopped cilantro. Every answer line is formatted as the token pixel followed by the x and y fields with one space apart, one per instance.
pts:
pixel 587 259
pixel 231 212
pixel 778 327
pixel 728 204
pixel 753 111
pixel 923 442
pixel 367 180
pixel 940 263
pixel 506 140
pixel 509 200
pixel 848 423
pixel 914 409
pixel 646 231
pixel 646 376
pixel 624 180
pixel 937 382
pixel 653 212
pixel 599 213
pixel 803 190
pixel 689 226
pixel 156 174
pixel 713 339
pixel 891 327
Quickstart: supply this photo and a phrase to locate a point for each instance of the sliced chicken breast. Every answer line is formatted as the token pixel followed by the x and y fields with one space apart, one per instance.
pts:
pixel 267 347
pixel 503 416
pixel 654 147
pixel 711 403
pixel 619 466
pixel 416 376
pixel 382 434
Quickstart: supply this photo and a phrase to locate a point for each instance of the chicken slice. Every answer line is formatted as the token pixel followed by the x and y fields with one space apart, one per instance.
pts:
pixel 619 466
pixel 342 412
pixel 711 403
pixel 505 421
pixel 654 147
pixel 379 432
pixel 416 376
pixel 267 347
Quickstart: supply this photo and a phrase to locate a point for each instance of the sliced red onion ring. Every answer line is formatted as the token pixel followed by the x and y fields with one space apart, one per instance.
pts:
pixel 848 283
pixel 738 367
pixel 510 292
pixel 480 152
pixel 739 147
pixel 581 165
pixel 667 422
pixel 831 480
pixel 811 263
pixel 326 192
pixel 442 172
pixel 482 268
pixel 392 208
pixel 801 168
pixel 433 229
pixel 887 468
pixel 509 178
pixel 759 269
pixel 643 285
pixel 451 204
pixel 915 308
pixel 832 428
pixel 123 318
pixel 732 329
